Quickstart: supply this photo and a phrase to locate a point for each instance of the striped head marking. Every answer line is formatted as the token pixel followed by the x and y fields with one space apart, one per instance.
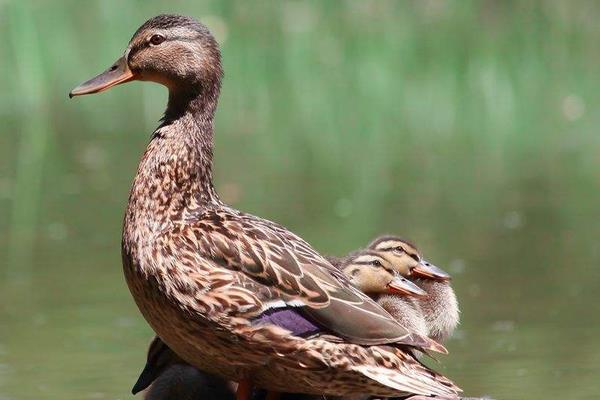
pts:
pixel 405 259
pixel 373 274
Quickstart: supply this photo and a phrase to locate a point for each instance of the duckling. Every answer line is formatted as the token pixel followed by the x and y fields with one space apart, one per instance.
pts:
pixel 440 306
pixel 374 275
pixel 168 377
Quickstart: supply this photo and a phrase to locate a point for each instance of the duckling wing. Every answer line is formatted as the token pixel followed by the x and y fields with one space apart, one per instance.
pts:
pixel 285 271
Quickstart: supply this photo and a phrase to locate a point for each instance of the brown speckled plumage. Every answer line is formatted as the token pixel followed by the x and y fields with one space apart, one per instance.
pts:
pixel 200 271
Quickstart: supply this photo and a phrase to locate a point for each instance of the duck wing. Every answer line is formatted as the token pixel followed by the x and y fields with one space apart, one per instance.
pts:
pixel 283 270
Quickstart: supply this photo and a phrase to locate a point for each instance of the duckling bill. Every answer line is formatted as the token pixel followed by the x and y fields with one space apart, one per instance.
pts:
pixel 403 286
pixel 427 270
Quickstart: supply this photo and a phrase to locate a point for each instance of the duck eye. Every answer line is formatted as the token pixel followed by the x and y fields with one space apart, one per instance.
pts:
pixel 156 39
pixel 399 249
pixel 377 263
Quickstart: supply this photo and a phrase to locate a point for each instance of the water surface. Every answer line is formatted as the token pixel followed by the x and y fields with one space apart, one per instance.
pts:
pixel 469 127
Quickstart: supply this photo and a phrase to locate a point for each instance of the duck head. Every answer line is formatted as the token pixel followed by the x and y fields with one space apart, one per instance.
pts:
pixel 405 258
pixel 373 274
pixel 173 50
pixel 160 358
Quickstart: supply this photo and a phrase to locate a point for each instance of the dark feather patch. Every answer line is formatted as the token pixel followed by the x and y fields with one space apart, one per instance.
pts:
pixel 290 319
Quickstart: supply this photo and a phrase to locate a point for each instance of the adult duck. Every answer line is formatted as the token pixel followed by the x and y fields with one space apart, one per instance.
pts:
pixel 230 293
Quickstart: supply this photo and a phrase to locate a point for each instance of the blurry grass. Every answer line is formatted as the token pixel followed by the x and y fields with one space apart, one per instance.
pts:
pixel 30 155
pixel 469 126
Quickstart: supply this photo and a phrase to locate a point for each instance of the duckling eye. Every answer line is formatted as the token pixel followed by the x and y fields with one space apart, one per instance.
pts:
pixel 377 263
pixel 156 39
pixel 399 249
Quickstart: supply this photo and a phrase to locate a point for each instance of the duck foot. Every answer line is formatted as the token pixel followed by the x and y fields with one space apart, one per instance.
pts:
pixel 244 390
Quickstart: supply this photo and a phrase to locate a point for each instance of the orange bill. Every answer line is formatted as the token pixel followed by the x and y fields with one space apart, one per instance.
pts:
pixel 403 286
pixel 118 73
pixel 429 271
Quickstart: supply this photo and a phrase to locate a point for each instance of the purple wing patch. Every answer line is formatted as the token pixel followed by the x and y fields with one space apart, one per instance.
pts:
pixel 290 319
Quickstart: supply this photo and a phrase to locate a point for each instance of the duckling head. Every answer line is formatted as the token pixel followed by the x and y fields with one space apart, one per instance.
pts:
pixel 406 259
pixel 160 358
pixel 174 50
pixel 373 274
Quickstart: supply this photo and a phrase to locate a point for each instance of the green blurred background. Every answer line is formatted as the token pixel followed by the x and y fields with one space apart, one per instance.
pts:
pixel 468 126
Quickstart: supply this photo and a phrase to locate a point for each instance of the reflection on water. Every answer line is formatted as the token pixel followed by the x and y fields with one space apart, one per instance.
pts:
pixel 341 123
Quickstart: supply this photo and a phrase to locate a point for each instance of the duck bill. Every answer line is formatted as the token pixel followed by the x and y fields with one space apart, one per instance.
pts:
pixel 429 271
pixel 118 73
pixel 405 287
pixel 146 378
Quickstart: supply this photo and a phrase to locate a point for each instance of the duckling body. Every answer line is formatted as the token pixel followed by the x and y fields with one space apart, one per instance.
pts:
pixel 406 311
pixel 440 309
pixel 230 293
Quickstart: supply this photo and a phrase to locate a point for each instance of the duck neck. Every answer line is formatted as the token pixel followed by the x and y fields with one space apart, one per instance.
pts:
pixel 186 134
pixel 175 174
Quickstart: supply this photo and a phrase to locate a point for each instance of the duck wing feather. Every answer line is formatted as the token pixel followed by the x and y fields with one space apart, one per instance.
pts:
pixel 284 270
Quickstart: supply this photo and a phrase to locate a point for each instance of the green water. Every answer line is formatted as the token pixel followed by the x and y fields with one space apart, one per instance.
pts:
pixel 470 127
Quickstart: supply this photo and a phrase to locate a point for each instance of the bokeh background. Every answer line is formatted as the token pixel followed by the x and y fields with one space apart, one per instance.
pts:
pixel 470 127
